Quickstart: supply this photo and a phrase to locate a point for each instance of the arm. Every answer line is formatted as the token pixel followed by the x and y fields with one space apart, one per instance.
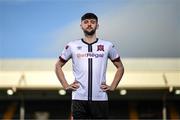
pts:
pixel 118 75
pixel 60 75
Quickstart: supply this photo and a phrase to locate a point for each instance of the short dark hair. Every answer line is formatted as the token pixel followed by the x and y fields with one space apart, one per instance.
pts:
pixel 89 16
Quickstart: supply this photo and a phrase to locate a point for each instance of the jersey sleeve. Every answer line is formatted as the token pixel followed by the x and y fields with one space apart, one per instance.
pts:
pixel 66 54
pixel 113 54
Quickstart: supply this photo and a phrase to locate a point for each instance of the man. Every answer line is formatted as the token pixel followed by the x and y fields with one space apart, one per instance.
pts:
pixel 89 58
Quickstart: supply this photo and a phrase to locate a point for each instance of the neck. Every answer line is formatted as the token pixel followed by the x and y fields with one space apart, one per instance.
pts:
pixel 90 39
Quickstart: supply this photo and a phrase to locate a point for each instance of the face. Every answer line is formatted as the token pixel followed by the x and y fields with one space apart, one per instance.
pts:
pixel 89 26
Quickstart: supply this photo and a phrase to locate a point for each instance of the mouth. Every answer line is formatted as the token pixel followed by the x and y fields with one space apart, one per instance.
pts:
pixel 89 27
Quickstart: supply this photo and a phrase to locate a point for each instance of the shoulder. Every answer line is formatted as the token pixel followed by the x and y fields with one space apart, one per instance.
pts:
pixel 105 42
pixel 74 42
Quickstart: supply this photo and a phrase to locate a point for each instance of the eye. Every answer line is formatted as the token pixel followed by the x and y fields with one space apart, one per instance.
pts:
pixel 93 21
pixel 85 21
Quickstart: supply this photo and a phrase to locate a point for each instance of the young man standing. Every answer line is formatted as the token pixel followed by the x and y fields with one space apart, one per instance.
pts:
pixel 89 58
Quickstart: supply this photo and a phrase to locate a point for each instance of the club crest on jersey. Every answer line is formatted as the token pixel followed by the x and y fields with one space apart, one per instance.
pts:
pixel 79 47
pixel 100 48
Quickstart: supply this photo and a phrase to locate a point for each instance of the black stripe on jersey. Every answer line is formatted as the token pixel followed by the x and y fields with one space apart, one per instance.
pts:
pixel 90 68
pixel 90 79
pixel 90 75
pixel 89 48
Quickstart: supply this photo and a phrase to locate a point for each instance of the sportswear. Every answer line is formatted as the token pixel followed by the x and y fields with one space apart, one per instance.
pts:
pixel 90 109
pixel 89 63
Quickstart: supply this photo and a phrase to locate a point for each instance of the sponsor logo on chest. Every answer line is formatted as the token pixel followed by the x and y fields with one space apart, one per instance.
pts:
pixel 98 54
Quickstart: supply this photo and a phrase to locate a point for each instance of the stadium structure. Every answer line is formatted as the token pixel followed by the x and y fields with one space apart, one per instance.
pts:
pixel 149 89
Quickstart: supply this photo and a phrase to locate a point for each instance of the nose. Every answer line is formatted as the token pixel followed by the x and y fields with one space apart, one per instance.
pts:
pixel 89 24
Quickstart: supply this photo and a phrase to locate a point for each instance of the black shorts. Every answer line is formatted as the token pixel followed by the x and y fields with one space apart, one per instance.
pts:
pixel 89 109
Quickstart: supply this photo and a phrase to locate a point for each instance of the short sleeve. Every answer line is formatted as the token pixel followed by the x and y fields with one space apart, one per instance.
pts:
pixel 113 53
pixel 66 54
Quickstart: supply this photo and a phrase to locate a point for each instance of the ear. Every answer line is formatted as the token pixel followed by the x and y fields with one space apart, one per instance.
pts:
pixel 80 26
pixel 97 26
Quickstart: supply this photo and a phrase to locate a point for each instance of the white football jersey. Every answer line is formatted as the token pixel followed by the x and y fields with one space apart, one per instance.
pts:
pixel 89 67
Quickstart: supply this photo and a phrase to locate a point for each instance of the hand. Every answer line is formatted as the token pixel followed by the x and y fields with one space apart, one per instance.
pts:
pixel 73 87
pixel 105 87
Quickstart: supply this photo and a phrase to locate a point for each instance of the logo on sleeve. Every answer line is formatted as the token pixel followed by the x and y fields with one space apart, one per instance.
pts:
pixel 66 47
pixel 100 48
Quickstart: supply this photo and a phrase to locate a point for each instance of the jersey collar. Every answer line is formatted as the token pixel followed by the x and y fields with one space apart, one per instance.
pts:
pixel 89 43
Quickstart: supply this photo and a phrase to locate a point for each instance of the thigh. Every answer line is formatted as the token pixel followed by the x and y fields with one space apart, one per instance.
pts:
pixel 99 109
pixel 79 109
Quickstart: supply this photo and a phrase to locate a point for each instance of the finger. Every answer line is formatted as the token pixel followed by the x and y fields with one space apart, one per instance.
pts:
pixel 74 89
pixel 104 90
pixel 75 86
pixel 70 88
pixel 104 86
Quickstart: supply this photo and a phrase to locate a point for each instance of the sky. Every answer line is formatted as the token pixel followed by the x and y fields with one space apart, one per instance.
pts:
pixel 41 28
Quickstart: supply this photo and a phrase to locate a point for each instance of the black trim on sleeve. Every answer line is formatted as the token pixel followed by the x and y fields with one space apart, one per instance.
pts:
pixel 116 59
pixel 62 60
